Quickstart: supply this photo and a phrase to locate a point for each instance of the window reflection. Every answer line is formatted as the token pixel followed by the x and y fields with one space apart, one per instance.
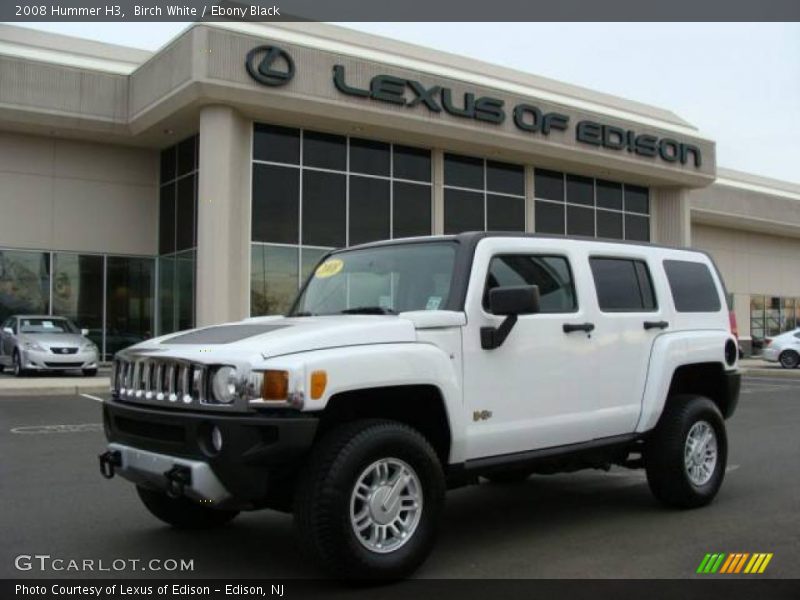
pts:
pixel 78 291
pixel 129 302
pixel 24 283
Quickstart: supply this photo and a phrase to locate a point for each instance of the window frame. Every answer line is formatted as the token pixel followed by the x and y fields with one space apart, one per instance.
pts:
pixel 635 261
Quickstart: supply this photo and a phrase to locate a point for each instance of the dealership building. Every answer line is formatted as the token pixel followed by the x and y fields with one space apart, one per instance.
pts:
pixel 146 192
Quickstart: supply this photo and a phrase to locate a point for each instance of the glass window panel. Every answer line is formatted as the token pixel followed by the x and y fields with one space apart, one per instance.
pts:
pixel 186 217
pixel 184 285
pixel 324 209
pixel 505 213
pixel 129 301
pixel 276 204
pixel 637 228
pixel 367 156
pixel 166 219
pixel 580 190
pixel 167 295
pixel 549 217
pixel 24 283
pixel 692 286
pixel 609 194
pixel 636 199
pixel 412 163
pixel 551 273
pixel 463 211
pixel 187 155
pixel 273 279
pixel 548 185
pixel 772 316
pixel 168 164
pixel 609 225
pixel 617 284
pixel 505 177
pixel 580 221
pixel 369 210
pixel 78 291
pixel 324 150
pixel 276 144
pixel 411 208
pixel 309 258
pixel 463 171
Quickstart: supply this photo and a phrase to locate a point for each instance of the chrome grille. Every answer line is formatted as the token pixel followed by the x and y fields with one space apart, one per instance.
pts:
pixel 159 380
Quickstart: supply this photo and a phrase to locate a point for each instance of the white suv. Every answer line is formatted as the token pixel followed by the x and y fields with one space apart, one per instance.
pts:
pixel 408 367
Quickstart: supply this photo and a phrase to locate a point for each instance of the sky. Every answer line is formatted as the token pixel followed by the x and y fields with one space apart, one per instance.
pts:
pixel 739 83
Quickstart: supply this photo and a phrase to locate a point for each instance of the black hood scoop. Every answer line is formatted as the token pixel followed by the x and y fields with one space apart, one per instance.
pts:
pixel 223 334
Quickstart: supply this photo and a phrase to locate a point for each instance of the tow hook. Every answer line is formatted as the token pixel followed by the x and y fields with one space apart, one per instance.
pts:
pixel 178 477
pixel 109 461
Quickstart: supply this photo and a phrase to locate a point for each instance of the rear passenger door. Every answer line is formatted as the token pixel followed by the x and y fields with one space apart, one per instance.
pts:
pixel 628 317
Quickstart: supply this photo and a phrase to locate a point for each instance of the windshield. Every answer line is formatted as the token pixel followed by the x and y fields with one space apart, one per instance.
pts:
pixel 46 326
pixel 380 280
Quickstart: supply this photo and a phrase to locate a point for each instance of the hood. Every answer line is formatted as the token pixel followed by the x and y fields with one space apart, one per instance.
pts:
pixel 269 337
pixel 73 340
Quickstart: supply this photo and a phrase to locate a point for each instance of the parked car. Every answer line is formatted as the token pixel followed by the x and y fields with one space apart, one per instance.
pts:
pixel 36 343
pixel 784 349
pixel 409 367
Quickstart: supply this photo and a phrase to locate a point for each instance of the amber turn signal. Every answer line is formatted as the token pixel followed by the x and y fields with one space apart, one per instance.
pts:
pixel 319 379
pixel 275 385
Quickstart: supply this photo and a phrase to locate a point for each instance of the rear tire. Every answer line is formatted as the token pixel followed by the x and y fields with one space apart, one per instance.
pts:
pixel 182 513
pixel 789 359
pixel 345 499
pixel 686 454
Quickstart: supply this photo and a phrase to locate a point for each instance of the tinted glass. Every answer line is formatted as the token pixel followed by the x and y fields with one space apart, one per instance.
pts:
pixel 166 219
pixel 548 185
pixel 276 204
pixel 78 291
pixel 637 228
pixel 276 144
pixel 167 295
pixel 168 164
pixel 411 208
pixel 580 221
pixel 505 178
pixel 187 155
pixel 549 217
pixel 463 171
pixel 129 302
pixel 184 285
pixel 618 285
pixel 580 190
pixel 324 150
pixel 505 213
pixel 636 199
pixel 309 259
pixel 609 225
pixel 412 163
pixel 369 210
pixel 463 211
pixel 609 194
pixel 24 283
pixel 551 273
pixel 692 286
pixel 369 157
pixel 273 279
pixel 324 209
pixel 186 216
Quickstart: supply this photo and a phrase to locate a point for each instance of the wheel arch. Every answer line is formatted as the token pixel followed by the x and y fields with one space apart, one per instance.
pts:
pixel 708 379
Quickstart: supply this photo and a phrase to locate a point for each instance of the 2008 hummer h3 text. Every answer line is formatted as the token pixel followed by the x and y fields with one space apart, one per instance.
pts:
pixel 410 366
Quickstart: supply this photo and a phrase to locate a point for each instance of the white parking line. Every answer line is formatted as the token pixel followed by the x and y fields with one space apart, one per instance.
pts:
pixel 90 397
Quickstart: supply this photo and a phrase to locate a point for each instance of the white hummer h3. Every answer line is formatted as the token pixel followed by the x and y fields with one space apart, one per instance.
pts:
pixel 408 367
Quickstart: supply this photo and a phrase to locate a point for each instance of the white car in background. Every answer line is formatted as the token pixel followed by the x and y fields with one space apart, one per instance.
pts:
pixel 784 349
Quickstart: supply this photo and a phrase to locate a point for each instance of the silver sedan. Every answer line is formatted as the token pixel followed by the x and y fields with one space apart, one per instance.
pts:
pixel 31 343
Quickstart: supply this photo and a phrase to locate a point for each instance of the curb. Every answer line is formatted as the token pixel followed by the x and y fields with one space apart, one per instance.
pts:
pixel 71 390
pixel 776 373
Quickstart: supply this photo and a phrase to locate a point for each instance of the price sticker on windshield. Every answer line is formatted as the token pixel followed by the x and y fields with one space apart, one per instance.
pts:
pixel 329 268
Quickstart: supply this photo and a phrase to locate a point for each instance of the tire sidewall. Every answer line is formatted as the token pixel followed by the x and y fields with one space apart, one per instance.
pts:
pixel 701 411
pixel 792 354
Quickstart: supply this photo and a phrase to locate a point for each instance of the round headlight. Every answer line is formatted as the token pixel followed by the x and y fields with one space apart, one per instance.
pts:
pixel 224 385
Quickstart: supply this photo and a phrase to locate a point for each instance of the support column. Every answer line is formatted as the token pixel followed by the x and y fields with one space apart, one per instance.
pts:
pixel 670 223
pixel 437 156
pixel 223 219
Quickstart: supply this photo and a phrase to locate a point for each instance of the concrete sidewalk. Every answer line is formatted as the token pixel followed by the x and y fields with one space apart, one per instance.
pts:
pixel 755 367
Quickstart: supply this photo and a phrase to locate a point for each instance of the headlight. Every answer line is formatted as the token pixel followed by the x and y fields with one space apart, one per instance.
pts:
pixel 34 346
pixel 225 385
pixel 89 347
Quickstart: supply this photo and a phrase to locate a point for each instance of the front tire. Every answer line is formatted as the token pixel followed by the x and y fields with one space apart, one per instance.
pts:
pixel 18 370
pixel 368 502
pixel 686 454
pixel 182 513
pixel 789 359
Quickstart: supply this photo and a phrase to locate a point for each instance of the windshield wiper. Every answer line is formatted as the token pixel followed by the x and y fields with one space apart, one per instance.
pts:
pixel 368 310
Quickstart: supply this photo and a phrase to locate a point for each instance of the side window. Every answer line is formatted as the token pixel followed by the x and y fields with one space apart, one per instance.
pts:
pixel 692 286
pixel 551 273
pixel 623 285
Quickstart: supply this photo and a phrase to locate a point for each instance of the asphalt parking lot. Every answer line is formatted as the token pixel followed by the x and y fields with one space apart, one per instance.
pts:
pixel 583 525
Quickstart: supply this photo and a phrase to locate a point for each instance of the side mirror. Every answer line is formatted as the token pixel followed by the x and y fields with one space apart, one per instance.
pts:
pixel 8 330
pixel 84 332
pixel 509 301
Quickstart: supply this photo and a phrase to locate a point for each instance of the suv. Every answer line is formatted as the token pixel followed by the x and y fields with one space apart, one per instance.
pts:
pixel 408 367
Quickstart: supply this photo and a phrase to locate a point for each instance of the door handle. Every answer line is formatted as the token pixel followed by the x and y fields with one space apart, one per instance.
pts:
pixel 656 324
pixel 570 327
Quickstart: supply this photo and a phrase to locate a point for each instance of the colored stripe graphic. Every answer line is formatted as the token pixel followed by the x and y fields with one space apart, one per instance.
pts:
pixel 728 563
pixel 741 562
pixel 703 563
pixel 765 563
pixel 722 563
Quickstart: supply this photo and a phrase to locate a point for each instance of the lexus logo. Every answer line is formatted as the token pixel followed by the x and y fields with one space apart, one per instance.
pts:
pixel 270 65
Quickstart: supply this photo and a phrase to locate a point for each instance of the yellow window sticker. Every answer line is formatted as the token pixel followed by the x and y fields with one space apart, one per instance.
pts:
pixel 329 268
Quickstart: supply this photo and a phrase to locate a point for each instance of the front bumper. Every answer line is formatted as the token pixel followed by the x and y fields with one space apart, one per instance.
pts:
pixel 37 360
pixel 260 453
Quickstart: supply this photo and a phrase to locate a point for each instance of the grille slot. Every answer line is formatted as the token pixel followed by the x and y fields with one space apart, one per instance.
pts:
pixel 160 380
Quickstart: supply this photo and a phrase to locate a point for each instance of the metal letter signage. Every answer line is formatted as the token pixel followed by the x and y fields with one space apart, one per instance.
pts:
pixel 268 71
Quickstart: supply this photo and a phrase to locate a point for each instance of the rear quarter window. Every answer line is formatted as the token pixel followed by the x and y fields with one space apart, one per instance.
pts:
pixel 692 286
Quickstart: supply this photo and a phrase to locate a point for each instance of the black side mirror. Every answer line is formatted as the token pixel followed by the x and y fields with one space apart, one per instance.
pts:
pixel 509 301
